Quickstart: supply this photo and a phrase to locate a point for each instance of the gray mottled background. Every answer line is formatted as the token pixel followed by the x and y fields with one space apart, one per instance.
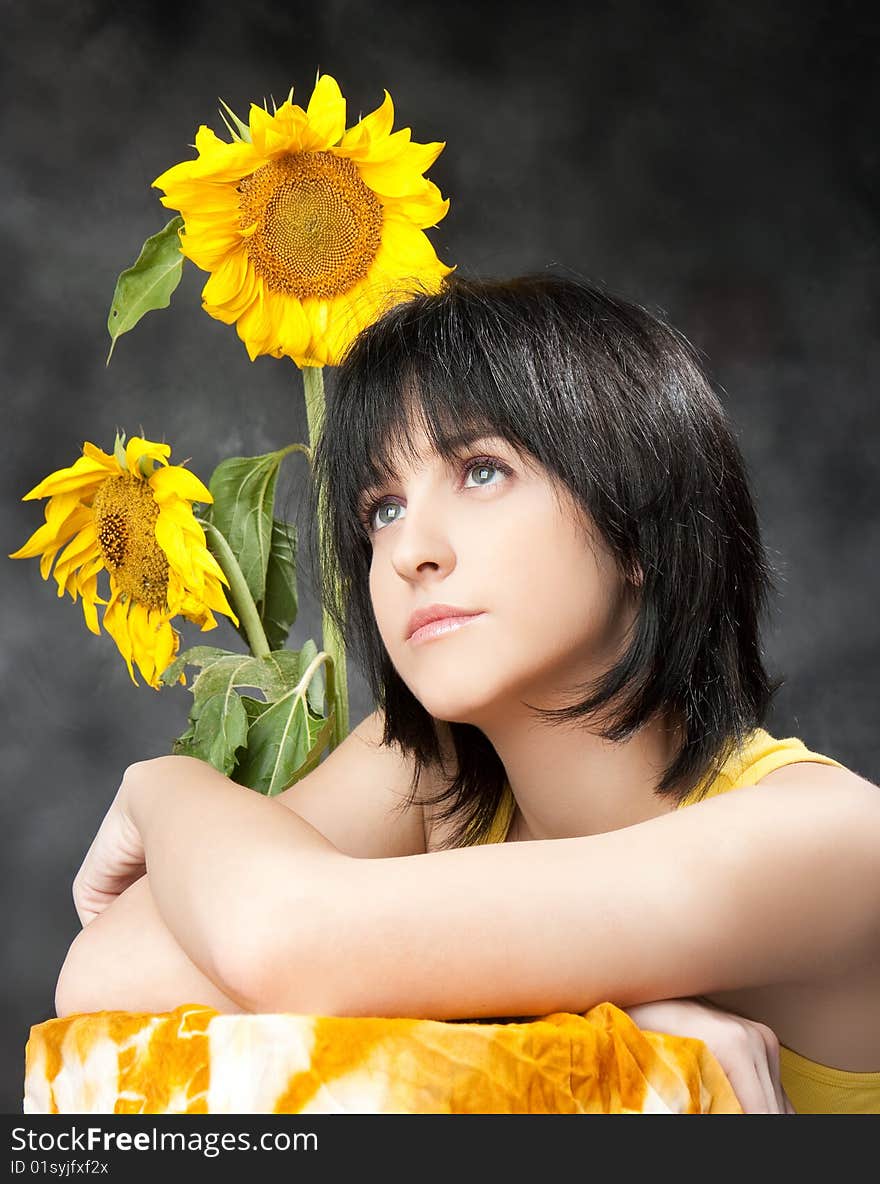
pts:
pixel 716 161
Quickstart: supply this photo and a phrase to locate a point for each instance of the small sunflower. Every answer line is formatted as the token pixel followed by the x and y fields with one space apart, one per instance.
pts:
pixel 309 231
pixel 130 514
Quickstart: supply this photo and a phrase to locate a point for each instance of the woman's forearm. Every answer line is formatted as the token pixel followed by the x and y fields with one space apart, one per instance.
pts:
pixel 128 960
pixel 219 857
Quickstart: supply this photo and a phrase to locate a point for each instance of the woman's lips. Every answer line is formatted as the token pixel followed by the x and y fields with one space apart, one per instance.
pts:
pixel 440 627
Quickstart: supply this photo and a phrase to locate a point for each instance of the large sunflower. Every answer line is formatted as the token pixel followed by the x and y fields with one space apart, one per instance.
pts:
pixel 130 514
pixel 309 231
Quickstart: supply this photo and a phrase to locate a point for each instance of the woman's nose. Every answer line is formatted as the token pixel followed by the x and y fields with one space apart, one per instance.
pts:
pixel 421 542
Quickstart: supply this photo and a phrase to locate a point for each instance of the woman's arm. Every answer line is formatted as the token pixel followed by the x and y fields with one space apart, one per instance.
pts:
pixel 127 960
pixel 227 868
pixel 773 883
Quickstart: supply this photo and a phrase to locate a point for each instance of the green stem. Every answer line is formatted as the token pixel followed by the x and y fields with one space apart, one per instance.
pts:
pixel 313 382
pixel 307 452
pixel 242 601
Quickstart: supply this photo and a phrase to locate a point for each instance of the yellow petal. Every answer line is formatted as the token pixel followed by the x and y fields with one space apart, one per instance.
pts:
pixel 180 512
pixel 372 127
pixel 326 112
pixel 83 546
pixel 214 597
pixel 138 447
pixel 103 458
pixel 255 326
pixel 140 645
pixel 218 160
pixel 402 174
pixel 63 520
pixel 171 539
pixel 84 475
pixel 422 209
pixel 234 301
pixel 167 643
pixel 89 601
pixel 177 481
pixel 115 622
pixel 405 249
pixel 227 280
pixel 294 330
pixel 377 151
pixel 208 250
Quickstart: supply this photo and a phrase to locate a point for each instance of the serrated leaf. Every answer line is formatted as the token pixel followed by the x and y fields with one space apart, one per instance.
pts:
pixel 198 655
pixel 148 284
pixel 279 606
pixel 274 675
pixel 265 744
pixel 254 707
pixel 243 488
pixel 279 743
pixel 221 728
pixel 319 744
pixel 182 746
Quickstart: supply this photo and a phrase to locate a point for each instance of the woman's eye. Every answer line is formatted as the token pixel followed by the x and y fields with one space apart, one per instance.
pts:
pixel 481 469
pixel 483 472
pixel 377 522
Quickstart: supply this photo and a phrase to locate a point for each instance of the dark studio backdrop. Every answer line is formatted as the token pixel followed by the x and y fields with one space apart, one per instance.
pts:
pixel 715 161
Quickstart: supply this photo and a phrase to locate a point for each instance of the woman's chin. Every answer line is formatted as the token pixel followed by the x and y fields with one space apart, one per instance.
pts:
pixel 456 708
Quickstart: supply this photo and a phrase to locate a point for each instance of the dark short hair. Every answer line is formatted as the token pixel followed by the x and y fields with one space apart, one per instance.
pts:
pixel 615 405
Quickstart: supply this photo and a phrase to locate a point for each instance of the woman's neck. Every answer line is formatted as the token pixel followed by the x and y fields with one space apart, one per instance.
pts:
pixel 568 782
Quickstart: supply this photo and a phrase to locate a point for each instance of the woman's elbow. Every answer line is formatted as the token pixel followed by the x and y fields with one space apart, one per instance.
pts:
pixel 71 989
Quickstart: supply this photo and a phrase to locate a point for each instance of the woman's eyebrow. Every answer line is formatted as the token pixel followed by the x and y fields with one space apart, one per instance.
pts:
pixel 456 444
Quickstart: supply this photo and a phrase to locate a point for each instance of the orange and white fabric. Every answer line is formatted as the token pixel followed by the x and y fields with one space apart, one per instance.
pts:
pixel 194 1060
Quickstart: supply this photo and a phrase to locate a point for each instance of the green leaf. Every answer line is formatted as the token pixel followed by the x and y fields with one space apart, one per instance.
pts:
pixel 221 728
pixel 278 608
pixel 267 743
pixel 199 655
pixel 182 746
pixel 148 283
pixel 254 708
pixel 283 741
pixel 274 675
pixel 319 744
pixel 243 488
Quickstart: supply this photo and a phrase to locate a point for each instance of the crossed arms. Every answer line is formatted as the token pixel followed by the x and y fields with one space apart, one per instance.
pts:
pixel 756 886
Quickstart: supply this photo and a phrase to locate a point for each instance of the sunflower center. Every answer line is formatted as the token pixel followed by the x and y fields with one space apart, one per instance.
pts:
pixel 318 226
pixel 125 518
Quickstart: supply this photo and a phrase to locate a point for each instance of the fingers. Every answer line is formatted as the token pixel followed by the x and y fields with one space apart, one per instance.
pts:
pixel 771 1101
pixel 748 1051
pixel 751 1063
pixel 770 1048
pixel 745 1082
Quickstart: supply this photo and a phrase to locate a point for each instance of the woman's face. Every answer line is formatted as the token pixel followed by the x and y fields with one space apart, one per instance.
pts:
pixel 489 536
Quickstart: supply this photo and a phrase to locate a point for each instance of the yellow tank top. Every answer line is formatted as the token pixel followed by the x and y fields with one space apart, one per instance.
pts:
pixel 812 1088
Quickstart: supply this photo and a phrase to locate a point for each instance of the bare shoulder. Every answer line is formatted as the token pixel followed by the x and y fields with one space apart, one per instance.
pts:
pixel 828 815
pixel 844 785
pixel 803 800
pixel 361 796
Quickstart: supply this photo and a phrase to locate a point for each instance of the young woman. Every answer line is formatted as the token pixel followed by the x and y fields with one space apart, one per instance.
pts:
pixel 550 568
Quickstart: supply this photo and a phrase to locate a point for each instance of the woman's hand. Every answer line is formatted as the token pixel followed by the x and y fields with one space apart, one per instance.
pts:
pixel 114 860
pixel 747 1051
